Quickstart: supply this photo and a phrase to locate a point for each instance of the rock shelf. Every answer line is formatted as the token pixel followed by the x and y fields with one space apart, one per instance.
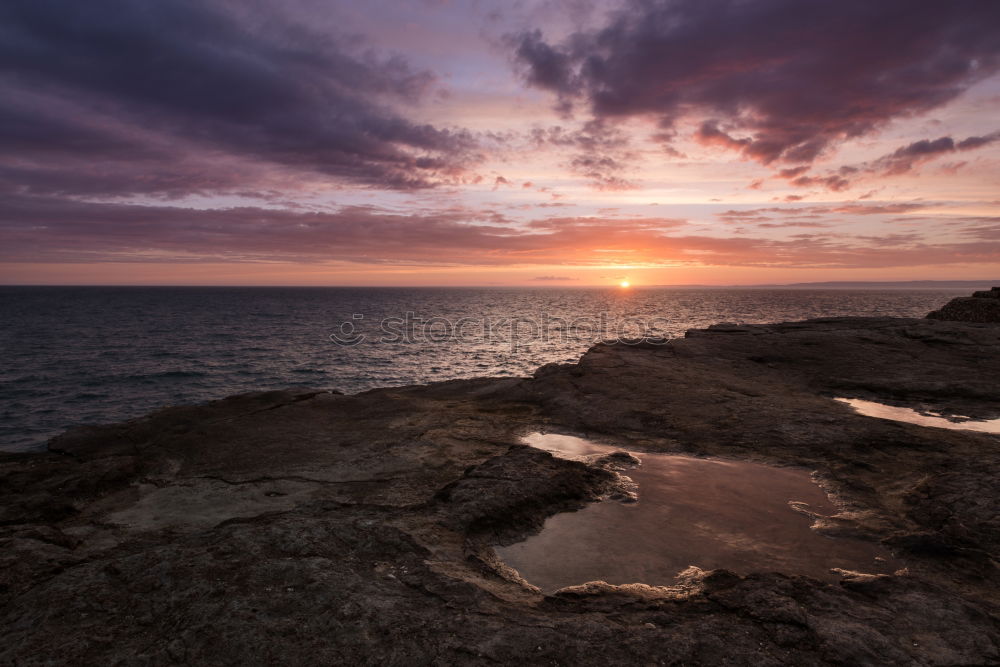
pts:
pixel 321 528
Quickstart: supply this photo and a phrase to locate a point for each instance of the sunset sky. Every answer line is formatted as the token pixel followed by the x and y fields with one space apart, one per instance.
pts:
pixel 532 142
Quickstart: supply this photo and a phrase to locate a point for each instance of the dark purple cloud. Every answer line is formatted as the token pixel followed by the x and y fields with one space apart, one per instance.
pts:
pixel 550 68
pixel 776 80
pixel 904 159
pixel 977 142
pixel 132 82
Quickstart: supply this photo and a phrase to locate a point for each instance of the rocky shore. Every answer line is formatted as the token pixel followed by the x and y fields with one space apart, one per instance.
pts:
pixel 983 306
pixel 320 528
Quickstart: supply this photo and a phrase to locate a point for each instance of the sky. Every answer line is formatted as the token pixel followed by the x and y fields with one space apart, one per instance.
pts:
pixel 527 142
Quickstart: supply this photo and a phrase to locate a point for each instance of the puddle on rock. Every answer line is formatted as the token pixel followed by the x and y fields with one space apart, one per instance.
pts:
pixel 926 418
pixel 704 512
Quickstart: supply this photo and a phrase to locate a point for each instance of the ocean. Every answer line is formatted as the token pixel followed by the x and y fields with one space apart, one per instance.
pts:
pixel 86 355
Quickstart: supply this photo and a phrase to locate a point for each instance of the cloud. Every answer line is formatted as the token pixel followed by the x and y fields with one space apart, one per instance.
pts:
pixel 793 223
pixel 901 161
pixel 906 158
pixel 834 182
pixel 129 82
pixel 793 78
pixel 46 229
pixel 554 278
pixel 709 134
pixel 977 142
pixel 769 213
pixel 876 209
pixel 606 225
pixel 599 152
pixel 602 172
pixel 793 172
pixel 549 68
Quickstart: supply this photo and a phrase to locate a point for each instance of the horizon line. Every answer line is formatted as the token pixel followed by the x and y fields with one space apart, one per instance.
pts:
pixel 539 284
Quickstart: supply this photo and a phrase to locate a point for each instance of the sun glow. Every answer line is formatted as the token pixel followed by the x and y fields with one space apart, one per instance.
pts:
pixel 624 284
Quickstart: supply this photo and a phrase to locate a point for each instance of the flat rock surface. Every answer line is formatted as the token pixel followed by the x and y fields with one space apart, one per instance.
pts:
pixel 320 528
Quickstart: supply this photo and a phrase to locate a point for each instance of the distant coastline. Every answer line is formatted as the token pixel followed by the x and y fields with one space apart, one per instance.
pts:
pixel 856 284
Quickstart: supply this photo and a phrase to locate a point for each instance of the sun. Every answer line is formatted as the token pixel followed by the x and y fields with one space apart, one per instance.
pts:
pixel 623 284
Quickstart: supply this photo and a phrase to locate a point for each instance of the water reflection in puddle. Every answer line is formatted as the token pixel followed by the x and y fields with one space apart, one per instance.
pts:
pixel 910 416
pixel 703 512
